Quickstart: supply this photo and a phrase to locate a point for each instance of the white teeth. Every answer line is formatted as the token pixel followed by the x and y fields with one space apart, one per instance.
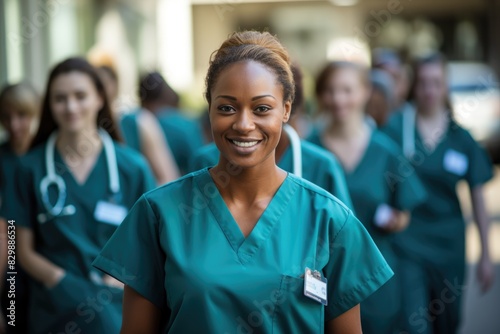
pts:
pixel 244 143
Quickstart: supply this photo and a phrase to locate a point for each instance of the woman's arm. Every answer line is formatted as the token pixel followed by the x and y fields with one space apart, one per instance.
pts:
pixel 347 323
pixel 37 266
pixel 155 149
pixel 485 271
pixel 140 316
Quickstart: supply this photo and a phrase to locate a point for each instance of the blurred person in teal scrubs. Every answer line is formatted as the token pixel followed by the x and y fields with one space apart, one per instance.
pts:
pixel 433 247
pixel 19 116
pixel 252 249
pixel 73 188
pixel 184 135
pixel 372 163
pixel 316 164
pixel 141 131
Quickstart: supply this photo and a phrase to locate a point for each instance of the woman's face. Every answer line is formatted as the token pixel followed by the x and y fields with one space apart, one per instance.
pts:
pixel 431 87
pixel 247 112
pixel 75 102
pixel 18 124
pixel 345 94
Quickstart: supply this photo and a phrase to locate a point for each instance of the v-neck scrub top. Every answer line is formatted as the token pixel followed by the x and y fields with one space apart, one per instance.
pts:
pixel 378 179
pixel 187 255
pixel 437 226
pixel 318 166
pixel 72 242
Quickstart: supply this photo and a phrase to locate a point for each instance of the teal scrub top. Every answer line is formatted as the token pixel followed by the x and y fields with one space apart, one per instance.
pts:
pixel 318 166
pixel 379 179
pixel 436 233
pixel 73 241
pixel 184 136
pixel 188 257
pixel 130 130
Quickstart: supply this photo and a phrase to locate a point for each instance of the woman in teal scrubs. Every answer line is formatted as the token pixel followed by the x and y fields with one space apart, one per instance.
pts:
pixel 382 196
pixel 228 251
pixel 316 164
pixel 19 115
pixel 141 131
pixel 73 189
pixel 441 154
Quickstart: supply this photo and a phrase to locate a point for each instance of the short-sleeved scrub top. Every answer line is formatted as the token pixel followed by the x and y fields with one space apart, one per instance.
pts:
pixel 318 166
pixel 187 255
pixel 184 136
pixel 79 301
pixel 381 179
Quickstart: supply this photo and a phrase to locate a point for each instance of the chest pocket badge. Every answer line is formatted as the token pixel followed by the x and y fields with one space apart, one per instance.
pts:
pixel 455 162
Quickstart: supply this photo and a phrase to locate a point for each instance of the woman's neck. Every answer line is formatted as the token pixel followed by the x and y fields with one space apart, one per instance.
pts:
pixel 19 147
pixel 83 144
pixel 247 185
pixel 351 127
pixel 433 114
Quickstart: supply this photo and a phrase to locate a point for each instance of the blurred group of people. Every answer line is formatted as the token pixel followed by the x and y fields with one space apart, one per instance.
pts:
pixel 382 140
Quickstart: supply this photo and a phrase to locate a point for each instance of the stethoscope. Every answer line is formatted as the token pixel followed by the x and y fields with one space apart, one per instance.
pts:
pixel 52 178
pixel 296 149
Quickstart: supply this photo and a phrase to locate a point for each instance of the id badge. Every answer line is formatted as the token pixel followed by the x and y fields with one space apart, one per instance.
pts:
pixel 315 286
pixel 455 162
pixel 110 213
pixel 383 215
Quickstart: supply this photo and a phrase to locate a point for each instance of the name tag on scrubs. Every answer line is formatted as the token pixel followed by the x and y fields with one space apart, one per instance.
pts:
pixel 455 162
pixel 110 213
pixel 315 286
pixel 383 215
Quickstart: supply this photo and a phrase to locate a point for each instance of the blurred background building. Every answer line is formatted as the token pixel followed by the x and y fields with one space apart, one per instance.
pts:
pixel 177 37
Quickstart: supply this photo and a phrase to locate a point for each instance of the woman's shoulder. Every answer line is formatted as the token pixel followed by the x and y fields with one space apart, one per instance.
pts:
pixel 322 199
pixel 178 189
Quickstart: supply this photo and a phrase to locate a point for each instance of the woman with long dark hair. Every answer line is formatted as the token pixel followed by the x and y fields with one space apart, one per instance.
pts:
pixel 73 189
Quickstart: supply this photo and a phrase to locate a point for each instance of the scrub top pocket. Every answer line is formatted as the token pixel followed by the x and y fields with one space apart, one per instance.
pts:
pixel 294 308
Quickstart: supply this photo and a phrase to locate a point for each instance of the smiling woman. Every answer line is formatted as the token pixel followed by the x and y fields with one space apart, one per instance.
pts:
pixel 260 251
pixel 72 190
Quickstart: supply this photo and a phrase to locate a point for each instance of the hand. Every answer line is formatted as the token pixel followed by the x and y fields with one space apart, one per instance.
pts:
pixel 112 282
pixel 485 273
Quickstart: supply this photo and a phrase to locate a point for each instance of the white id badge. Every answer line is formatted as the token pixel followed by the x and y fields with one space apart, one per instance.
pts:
pixel 110 213
pixel 383 215
pixel 315 286
pixel 455 162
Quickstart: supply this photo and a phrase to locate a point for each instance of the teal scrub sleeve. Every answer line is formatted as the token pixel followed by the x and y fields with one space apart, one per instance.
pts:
pixel 148 179
pixel 356 268
pixel 133 255
pixel 406 189
pixel 18 204
pixel 341 191
pixel 480 168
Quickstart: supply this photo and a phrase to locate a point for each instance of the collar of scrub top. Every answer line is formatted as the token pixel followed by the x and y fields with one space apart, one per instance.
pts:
pixel 59 208
pixel 296 150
